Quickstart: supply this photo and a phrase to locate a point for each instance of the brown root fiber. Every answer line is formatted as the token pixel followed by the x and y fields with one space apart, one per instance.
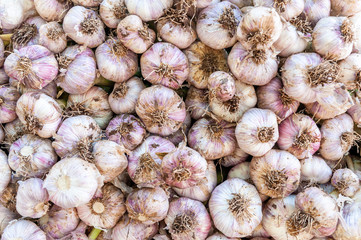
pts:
pixel 63 61
pixel 215 130
pixel 32 123
pixel 238 206
pixel 54 33
pixel 119 49
pixel 265 134
pixel 8 196
pixel 1 101
pixel 159 117
pixel 144 33
pixel 275 181
pixel 165 71
pixel 147 168
pixel 24 67
pixel 232 105
pixel 325 73
pixel 302 25
pixel 285 99
pixel 228 21
pixel 280 5
pixel 85 148
pixel 23 34
pixel 183 223
pixel 299 222
pixel 259 37
pixel 209 63
pixel 348 139
pixel 304 140
pixel 347 31
pixel 89 25
pixel 76 109
pixel 121 90
pixel 258 56
pixel 120 11
pixel 181 174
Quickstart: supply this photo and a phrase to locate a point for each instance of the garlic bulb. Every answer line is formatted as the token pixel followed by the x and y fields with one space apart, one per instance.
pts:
pixel 6 216
pixel 337 137
pixel 84 26
pixel 232 110
pixel 12 15
pixel 112 11
pixel 273 97
pixel 238 156
pixel 188 219
pixel 212 139
pixel 87 3
pixel 5 172
pixel 52 36
pixel 346 182
pixel 144 163
pixel 315 170
pixel 165 64
pixel 148 212
pixel 241 3
pixel 77 68
pixel 257 131
pixel 148 10
pixel 259 28
pixel 241 171
pixel 203 61
pixel 202 191
pixel 75 137
pixel 179 136
pixel 125 95
pixel 197 102
pixel 333 37
pixel 355 20
pixel 221 85
pixel 72 182
pixel 35 66
pixel 58 222
pixel 350 229
pixel 8 196
pixel 105 209
pixel 217 25
pixel 345 8
pixel 8 98
pixel 129 229
pixel 14 130
pixel 93 103
pixel 320 112
pixel 52 10
pixel 220 236
pixel 31 156
pixel 115 61
pixel 127 130
pixel 39 113
pixel 3 76
pixel 355 112
pixel 316 9
pixel 299 135
pixel 183 167
pixel 135 34
pixel 286 9
pixel 161 110
pixel 350 72
pixel 50 89
pixel 23 229
pixel 235 207
pixel 109 158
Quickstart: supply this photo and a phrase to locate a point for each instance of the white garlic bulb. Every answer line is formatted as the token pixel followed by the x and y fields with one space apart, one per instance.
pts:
pixel 148 10
pixel 315 170
pixel 316 9
pixel 4 170
pixel 52 36
pixel 286 9
pixel 350 228
pixel 112 11
pixel 346 182
pixel 52 10
pixel 6 216
pixel 350 71
pixel 23 229
pixel 238 156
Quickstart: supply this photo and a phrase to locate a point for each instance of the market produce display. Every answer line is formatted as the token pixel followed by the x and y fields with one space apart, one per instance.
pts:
pixel 180 119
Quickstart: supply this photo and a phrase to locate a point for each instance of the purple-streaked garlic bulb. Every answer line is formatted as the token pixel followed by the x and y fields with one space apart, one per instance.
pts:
pixel 316 9
pixel 299 135
pixel 6 216
pixel 147 205
pixel 232 110
pixel 84 26
pixel 221 85
pixel 52 10
pixel 350 71
pixel 165 64
pixel 346 182
pixel 188 219
pixel 350 229
pixel 161 110
pixel 14 130
pixel 5 171
pixel 72 182
pixel 93 103
pixel 320 112
pixel 286 9
pixel 236 208
pixel 109 158
pixel 161 237
pixel 39 113
pixel 77 69
pixel 144 163
pixel 105 209
pixel 32 198
pixel 217 25
pixel 273 97
pixel 58 222
pixel 34 66
pixel 75 137
pixel 257 131
pixel 31 156
pixel 127 130
pixel 4 78
pixel 129 229
pixel 203 61
pixel 314 170
pixel 183 167
pixel 148 10
pixel 124 96
pixel 50 89
pixel 337 137
pixel 78 233
pixel 8 98
pixel 179 136
pixel 276 174
pixel 23 229
pixel 212 139
pixel 52 36
pixel 116 62
pixel 197 102
pixel 355 111
pixel 238 156
pixel 135 34
pixel 202 191
pixel 87 3
pixel 112 11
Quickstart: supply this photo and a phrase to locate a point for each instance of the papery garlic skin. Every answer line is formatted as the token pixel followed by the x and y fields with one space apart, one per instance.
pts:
pixel 315 170
pixel 14 130
pixel 8 98
pixel 6 216
pixel 217 25
pixel 197 102
pixel 129 229
pixel 31 156
pixel 148 212
pixel 5 171
pixel 14 14
pixel 320 112
pixel 52 36
pixel 40 113
pixel 355 20
pixel 350 71
pixel 148 10
pixel 84 26
pixel 52 10
pixel 316 9
pixel 115 61
pixel 112 11
pixel 345 8
pixel 337 137
pixel 286 9
pixel 50 89
pixel 219 236
pixel 75 136
pixel 238 156
pixel 224 204
pixel 299 135
pixel 346 182
pixel 72 182
pixel 188 219
pixel 257 131
pixel 4 78
pixel 240 171
pixel 87 3
pixel 221 85
pixel 355 112
pixel 2 135
pixel 179 136
pixel 351 229
pixel 28 33
pixel 241 3
pixel 109 158
pixel 58 222
pixel 1 53
pixel 23 229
